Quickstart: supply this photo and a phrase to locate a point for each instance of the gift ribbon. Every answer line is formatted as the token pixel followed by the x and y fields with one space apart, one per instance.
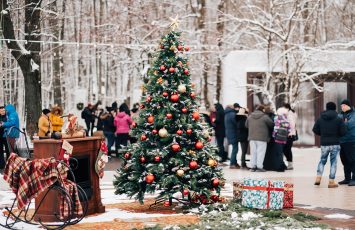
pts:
pixel 268 189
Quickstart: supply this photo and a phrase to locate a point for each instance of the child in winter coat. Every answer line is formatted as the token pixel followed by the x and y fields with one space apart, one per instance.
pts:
pixel 44 124
pixel 122 123
pixel 56 119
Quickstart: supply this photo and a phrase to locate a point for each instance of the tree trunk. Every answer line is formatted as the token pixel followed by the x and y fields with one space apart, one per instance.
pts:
pixel 27 57
pixel 220 30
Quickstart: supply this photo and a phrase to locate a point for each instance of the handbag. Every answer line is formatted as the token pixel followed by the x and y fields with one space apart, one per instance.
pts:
pixel 295 137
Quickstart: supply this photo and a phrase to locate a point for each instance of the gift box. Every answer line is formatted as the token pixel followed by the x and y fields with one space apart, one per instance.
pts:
pixel 288 195
pixel 263 194
pixel 237 190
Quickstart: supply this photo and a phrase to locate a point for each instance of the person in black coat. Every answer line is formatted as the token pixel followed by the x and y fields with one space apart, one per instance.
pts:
pixel 109 128
pixel 330 127
pixel 89 117
pixel 220 131
pixel 242 134
pixel 230 123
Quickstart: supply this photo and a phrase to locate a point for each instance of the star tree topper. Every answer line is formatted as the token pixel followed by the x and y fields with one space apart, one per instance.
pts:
pixel 174 22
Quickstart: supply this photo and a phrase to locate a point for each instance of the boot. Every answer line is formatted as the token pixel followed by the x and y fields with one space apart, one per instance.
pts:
pixel 289 165
pixel 318 179
pixel 332 184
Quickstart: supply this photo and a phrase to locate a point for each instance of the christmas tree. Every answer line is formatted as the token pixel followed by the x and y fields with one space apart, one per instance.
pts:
pixel 173 153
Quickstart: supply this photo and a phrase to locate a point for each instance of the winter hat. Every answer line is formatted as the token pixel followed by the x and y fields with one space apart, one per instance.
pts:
pixel 346 102
pixel 331 106
pixel 236 105
pixel 46 111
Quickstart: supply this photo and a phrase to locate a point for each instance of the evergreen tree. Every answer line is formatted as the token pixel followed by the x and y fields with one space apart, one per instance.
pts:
pixel 173 153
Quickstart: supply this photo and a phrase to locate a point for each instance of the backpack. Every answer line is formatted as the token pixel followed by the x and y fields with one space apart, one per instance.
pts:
pixel 83 114
pixel 281 133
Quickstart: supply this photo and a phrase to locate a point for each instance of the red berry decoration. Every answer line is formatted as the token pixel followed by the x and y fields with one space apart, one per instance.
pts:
pixel 215 182
pixel 150 119
pixel 149 99
pixel 180 48
pixel 185 192
pixel 187 48
pixel 154 131
pixel 171 69
pixel 184 110
pixel 179 132
pixel 157 158
pixel 174 98
pixel 143 137
pixel 149 178
pixel 141 106
pixel 214 198
pixel 165 94
pixel 199 145
pixel 134 124
pixel 193 165
pixel 175 147
pixel 186 71
pixel 142 159
pixel 196 115
pixel 162 68
pixel 169 116
pixel 192 95
pixel 166 203
pixel 127 156
pixel 161 46
pixel 189 131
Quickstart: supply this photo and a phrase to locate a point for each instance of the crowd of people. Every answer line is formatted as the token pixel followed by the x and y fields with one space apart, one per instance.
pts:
pixel 266 134
pixel 269 135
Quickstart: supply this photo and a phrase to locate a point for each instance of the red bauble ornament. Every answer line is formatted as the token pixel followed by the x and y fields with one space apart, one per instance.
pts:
pixel 161 46
pixel 196 115
pixel 162 68
pixel 189 131
pixel 174 98
pixel 186 71
pixel 127 155
pixel 149 178
pixel 142 159
pixel 215 182
pixel 180 48
pixel 134 124
pixel 165 94
pixel 214 198
pixel 192 95
pixel 143 137
pixel 185 192
pixel 150 119
pixel 184 110
pixel 141 106
pixel 157 158
pixel 187 48
pixel 169 116
pixel 179 132
pixel 154 131
pixel 175 147
pixel 171 69
pixel 167 203
pixel 149 99
pixel 199 145
pixel 193 165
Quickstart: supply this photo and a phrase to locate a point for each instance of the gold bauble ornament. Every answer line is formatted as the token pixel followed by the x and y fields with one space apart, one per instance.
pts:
pixel 206 134
pixel 163 132
pixel 212 162
pixel 180 172
pixel 182 88
pixel 192 152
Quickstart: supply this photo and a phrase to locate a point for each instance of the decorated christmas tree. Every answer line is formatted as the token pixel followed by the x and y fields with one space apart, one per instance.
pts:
pixel 173 154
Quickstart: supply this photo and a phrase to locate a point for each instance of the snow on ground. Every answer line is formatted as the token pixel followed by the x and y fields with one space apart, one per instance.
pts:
pixel 338 216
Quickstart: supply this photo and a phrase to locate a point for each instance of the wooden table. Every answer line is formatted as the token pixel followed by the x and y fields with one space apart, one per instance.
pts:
pixel 85 150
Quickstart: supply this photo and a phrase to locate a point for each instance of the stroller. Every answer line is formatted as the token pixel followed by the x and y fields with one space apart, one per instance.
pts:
pixel 20 165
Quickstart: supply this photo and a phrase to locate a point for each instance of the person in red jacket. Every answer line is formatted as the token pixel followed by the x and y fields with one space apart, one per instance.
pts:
pixel 122 123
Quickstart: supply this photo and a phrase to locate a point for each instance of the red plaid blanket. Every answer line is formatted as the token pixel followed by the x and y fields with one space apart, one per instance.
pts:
pixel 28 178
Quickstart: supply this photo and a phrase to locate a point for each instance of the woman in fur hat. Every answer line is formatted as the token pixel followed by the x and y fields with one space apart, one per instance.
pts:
pixel 56 119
